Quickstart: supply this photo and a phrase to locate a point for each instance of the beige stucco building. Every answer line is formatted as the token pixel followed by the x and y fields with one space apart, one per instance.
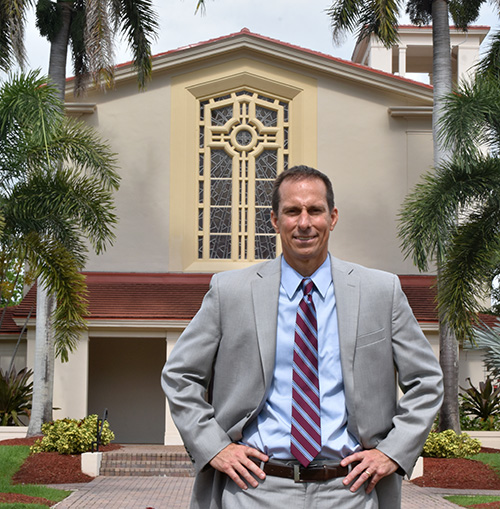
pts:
pixel 197 153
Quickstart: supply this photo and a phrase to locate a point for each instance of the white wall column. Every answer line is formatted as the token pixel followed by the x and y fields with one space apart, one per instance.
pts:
pixel 467 59
pixel 402 60
pixel 71 382
pixel 30 347
pixel 172 436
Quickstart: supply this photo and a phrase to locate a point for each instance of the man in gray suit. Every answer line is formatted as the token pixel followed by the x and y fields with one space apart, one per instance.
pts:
pixel 245 393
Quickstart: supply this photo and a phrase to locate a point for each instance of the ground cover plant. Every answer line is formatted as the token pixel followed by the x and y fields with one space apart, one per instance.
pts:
pixel 11 459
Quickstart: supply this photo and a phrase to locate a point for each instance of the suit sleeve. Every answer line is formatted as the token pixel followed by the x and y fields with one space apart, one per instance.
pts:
pixel 185 380
pixel 420 380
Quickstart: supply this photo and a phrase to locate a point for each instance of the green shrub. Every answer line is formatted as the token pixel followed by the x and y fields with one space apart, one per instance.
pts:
pixel 15 396
pixel 448 444
pixel 469 423
pixel 71 436
pixel 482 402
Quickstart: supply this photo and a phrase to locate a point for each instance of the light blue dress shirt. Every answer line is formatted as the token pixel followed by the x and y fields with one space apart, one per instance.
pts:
pixel 270 431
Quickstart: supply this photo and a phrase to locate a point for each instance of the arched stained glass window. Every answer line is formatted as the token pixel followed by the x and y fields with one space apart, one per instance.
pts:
pixel 243 146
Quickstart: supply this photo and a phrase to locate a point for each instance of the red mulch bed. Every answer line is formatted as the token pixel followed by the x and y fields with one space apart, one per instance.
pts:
pixel 458 473
pixel 54 468
pixel 46 468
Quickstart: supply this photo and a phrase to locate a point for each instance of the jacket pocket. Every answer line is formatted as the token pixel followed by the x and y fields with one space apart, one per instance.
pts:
pixel 370 338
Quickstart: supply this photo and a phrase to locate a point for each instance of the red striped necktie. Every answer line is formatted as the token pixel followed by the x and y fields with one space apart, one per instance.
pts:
pixel 306 423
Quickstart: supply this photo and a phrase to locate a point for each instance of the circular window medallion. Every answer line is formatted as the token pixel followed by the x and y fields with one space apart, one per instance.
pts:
pixel 244 137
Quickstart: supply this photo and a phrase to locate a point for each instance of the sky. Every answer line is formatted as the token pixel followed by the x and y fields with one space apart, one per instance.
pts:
pixel 301 22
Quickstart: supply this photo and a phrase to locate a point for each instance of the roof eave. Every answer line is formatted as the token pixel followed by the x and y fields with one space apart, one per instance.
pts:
pixel 276 50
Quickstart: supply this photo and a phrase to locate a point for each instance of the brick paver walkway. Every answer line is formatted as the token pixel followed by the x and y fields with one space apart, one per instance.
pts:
pixel 174 493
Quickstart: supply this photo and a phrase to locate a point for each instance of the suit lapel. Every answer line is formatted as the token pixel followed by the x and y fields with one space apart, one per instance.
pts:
pixel 265 295
pixel 346 285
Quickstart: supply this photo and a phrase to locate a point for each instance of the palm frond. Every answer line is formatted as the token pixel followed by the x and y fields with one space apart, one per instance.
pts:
pixel 98 38
pixel 87 153
pixel 28 103
pixel 428 219
pixel 60 275
pixel 366 17
pixel 78 47
pixel 139 23
pixel 465 12
pixel 200 6
pixel 420 11
pixel 474 253
pixel 471 118
pixel 490 63
pixel 12 22
pixel 385 21
pixel 344 15
pixel 488 338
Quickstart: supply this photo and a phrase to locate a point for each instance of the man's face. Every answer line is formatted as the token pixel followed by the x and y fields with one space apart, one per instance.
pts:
pixel 304 223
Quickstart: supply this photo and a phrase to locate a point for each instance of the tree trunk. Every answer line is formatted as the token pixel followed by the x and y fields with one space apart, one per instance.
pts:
pixel 441 71
pixel 448 358
pixel 59 50
pixel 442 82
pixel 43 372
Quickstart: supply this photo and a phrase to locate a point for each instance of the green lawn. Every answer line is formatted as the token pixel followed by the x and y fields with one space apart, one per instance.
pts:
pixel 11 459
pixel 490 459
pixel 468 500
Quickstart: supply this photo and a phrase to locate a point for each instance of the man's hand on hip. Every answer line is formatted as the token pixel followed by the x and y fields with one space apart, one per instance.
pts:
pixel 234 460
pixel 373 466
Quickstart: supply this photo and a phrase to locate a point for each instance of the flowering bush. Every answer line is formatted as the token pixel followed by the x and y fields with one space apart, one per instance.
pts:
pixel 448 444
pixel 71 436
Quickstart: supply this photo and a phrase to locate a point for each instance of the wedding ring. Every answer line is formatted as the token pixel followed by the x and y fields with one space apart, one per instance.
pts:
pixel 369 474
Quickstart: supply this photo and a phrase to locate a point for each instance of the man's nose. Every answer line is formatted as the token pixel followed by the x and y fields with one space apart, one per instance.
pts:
pixel 304 220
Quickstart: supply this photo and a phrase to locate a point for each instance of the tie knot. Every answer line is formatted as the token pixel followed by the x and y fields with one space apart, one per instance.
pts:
pixel 307 286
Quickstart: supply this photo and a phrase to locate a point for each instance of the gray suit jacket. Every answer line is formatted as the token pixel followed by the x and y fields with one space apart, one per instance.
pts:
pixel 229 350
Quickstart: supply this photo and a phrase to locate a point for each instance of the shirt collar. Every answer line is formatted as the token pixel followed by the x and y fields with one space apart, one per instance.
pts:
pixel 291 279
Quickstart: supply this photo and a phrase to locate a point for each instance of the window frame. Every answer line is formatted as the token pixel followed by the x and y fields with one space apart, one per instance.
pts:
pixel 187 90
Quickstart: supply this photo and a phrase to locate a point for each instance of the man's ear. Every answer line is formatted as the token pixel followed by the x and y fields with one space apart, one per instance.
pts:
pixel 274 222
pixel 334 217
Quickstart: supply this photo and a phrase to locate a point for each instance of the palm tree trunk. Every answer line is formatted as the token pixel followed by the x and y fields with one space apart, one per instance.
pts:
pixel 442 82
pixel 43 372
pixel 59 50
pixel 448 358
pixel 441 71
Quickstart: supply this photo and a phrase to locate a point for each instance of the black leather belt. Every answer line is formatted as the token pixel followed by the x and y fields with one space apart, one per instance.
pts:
pixel 314 472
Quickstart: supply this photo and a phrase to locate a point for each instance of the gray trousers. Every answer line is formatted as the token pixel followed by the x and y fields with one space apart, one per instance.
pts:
pixel 279 493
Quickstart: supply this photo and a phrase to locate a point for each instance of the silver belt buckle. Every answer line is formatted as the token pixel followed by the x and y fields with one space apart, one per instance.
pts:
pixel 296 473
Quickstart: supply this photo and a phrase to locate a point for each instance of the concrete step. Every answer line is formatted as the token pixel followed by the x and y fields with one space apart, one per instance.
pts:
pixel 166 463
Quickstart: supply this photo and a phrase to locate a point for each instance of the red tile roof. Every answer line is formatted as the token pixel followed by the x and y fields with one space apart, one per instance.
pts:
pixel 421 294
pixel 8 324
pixel 123 296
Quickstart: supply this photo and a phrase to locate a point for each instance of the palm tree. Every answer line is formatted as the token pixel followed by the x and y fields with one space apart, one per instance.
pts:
pixel 380 18
pixel 453 216
pixel 90 28
pixel 56 184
